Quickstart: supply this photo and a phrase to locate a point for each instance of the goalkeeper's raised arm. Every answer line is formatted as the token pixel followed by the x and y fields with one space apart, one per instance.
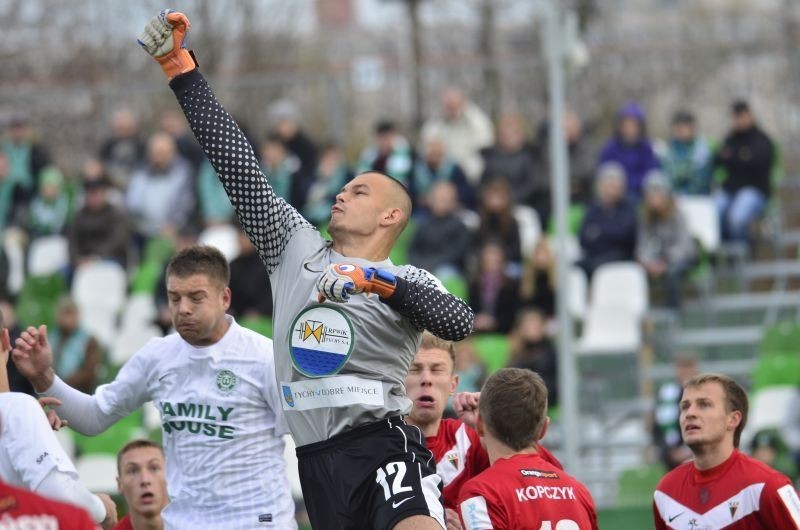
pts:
pixel 268 220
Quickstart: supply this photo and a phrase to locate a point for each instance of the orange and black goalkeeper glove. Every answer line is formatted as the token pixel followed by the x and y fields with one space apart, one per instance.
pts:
pixel 340 280
pixel 164 38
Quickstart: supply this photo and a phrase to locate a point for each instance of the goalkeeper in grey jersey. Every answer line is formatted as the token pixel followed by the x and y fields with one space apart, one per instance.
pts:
pixel 347 320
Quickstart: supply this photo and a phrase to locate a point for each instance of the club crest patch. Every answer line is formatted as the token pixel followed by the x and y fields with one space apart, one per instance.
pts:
pixel 226 381
pixel 321 340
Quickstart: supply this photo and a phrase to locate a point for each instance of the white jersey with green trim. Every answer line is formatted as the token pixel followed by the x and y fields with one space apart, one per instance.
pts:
pixel 339 366
pixel 222 427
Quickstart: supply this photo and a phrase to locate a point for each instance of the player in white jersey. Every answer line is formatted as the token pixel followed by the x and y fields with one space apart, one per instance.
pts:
pixel 214 384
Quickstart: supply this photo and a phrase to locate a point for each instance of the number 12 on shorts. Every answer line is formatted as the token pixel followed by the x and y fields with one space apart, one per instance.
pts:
pixel 563 524
pixel 398 469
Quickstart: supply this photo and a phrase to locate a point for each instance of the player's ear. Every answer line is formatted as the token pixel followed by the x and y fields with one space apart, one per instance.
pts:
pixel 226 297
pixel 734 419
pixel 119 486
pixel 543 430
pixel 479 426
pixel 392 216
pixel 453 384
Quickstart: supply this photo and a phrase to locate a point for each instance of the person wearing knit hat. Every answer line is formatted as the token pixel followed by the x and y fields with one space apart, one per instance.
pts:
pixel 50 208
pixel 664 246
pixel 631 147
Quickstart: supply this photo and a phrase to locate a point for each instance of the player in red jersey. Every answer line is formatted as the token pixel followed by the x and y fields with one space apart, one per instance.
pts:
pixel 455 445
pixel 141 480
pixel 721 488
pixel 456 448
pixel 520 490
pixel 23 509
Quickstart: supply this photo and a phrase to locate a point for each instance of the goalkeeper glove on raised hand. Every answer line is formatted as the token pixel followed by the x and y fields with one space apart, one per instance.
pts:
pixel 340 280
pixel 164 38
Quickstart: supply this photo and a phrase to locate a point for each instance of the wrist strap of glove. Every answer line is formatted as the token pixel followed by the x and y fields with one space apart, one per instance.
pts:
pixel 177 62
pixel 382 283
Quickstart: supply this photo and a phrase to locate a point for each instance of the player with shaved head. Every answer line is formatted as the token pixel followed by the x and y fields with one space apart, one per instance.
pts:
pixel 347 320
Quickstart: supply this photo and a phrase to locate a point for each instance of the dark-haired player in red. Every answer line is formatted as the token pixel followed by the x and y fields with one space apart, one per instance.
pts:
pixel 521 490
pixel 721 488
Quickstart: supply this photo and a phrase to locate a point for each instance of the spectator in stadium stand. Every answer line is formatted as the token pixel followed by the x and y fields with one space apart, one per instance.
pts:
pixel 688 160
pixel 493 294
pixel 721 487
pixel 50 208
pixel 666 427
pixel 251 292
pixel 159 197
pixel 283 168
pixel 330 175
pixel 215 207
pixel 582 158
pixel 124 150
pixel 427 249
pixel 76 354
pixel 631 148
pixel 23 509
pixel 608 230
pixel 26 156
pixel 497 221
pixel 514 157
pixel 470 369
pixel 436 165
pixel 522 488
pixel 174 124
pixel 747 157
pixel 13 198
pixel 391 153
pixel 664 245
pixel 284 118
pixel 99 230
pixel 537 286
pixel 533 350
pixel 141 479
pixel 790 428
pixel 465 130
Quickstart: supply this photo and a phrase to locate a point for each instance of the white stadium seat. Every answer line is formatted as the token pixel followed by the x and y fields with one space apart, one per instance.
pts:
pixel 98 472
pixel 99 289
pixel 47 255
pixel 620 284
pixel 702 220
pixel 769 408
pixel 530 228
pixel 223 237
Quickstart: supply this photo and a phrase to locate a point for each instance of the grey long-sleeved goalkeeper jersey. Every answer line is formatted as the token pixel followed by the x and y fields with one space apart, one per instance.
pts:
pixel 338 366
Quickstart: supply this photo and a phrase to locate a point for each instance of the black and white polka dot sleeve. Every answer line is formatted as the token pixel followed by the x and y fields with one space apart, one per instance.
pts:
pixel 423 301
pixel 268 220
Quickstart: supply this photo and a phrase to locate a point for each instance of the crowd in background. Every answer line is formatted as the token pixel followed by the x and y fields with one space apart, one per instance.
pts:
pixel 478 188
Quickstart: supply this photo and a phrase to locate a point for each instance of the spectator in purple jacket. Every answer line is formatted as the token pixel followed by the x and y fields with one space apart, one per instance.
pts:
pixel 631 148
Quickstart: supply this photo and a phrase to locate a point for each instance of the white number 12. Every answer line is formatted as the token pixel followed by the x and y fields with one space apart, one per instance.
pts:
pixel 563 524
pixel 398 469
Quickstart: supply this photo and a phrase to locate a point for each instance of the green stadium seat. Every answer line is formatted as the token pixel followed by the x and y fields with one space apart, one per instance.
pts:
pixel 112 440
pixel 399 253
pixel 777 369
pixel 38 299
pixel 493 349
pixel 262 325
pixel 781 339
pixel 636 486
pixel 456 285
pixel 155 255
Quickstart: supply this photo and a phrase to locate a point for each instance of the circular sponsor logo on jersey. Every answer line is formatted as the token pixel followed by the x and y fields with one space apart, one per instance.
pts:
pixel 226 381
pixel 321 340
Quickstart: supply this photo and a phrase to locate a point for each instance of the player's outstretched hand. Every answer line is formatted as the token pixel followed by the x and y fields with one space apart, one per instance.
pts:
pixel 340 280
pixel 453 522
pixel 164 38
pixel 466 406
pixel 34 358
pixel 52 416
pixel 111 512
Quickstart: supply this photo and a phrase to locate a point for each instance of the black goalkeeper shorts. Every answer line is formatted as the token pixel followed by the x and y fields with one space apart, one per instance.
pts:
pixel 371 477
